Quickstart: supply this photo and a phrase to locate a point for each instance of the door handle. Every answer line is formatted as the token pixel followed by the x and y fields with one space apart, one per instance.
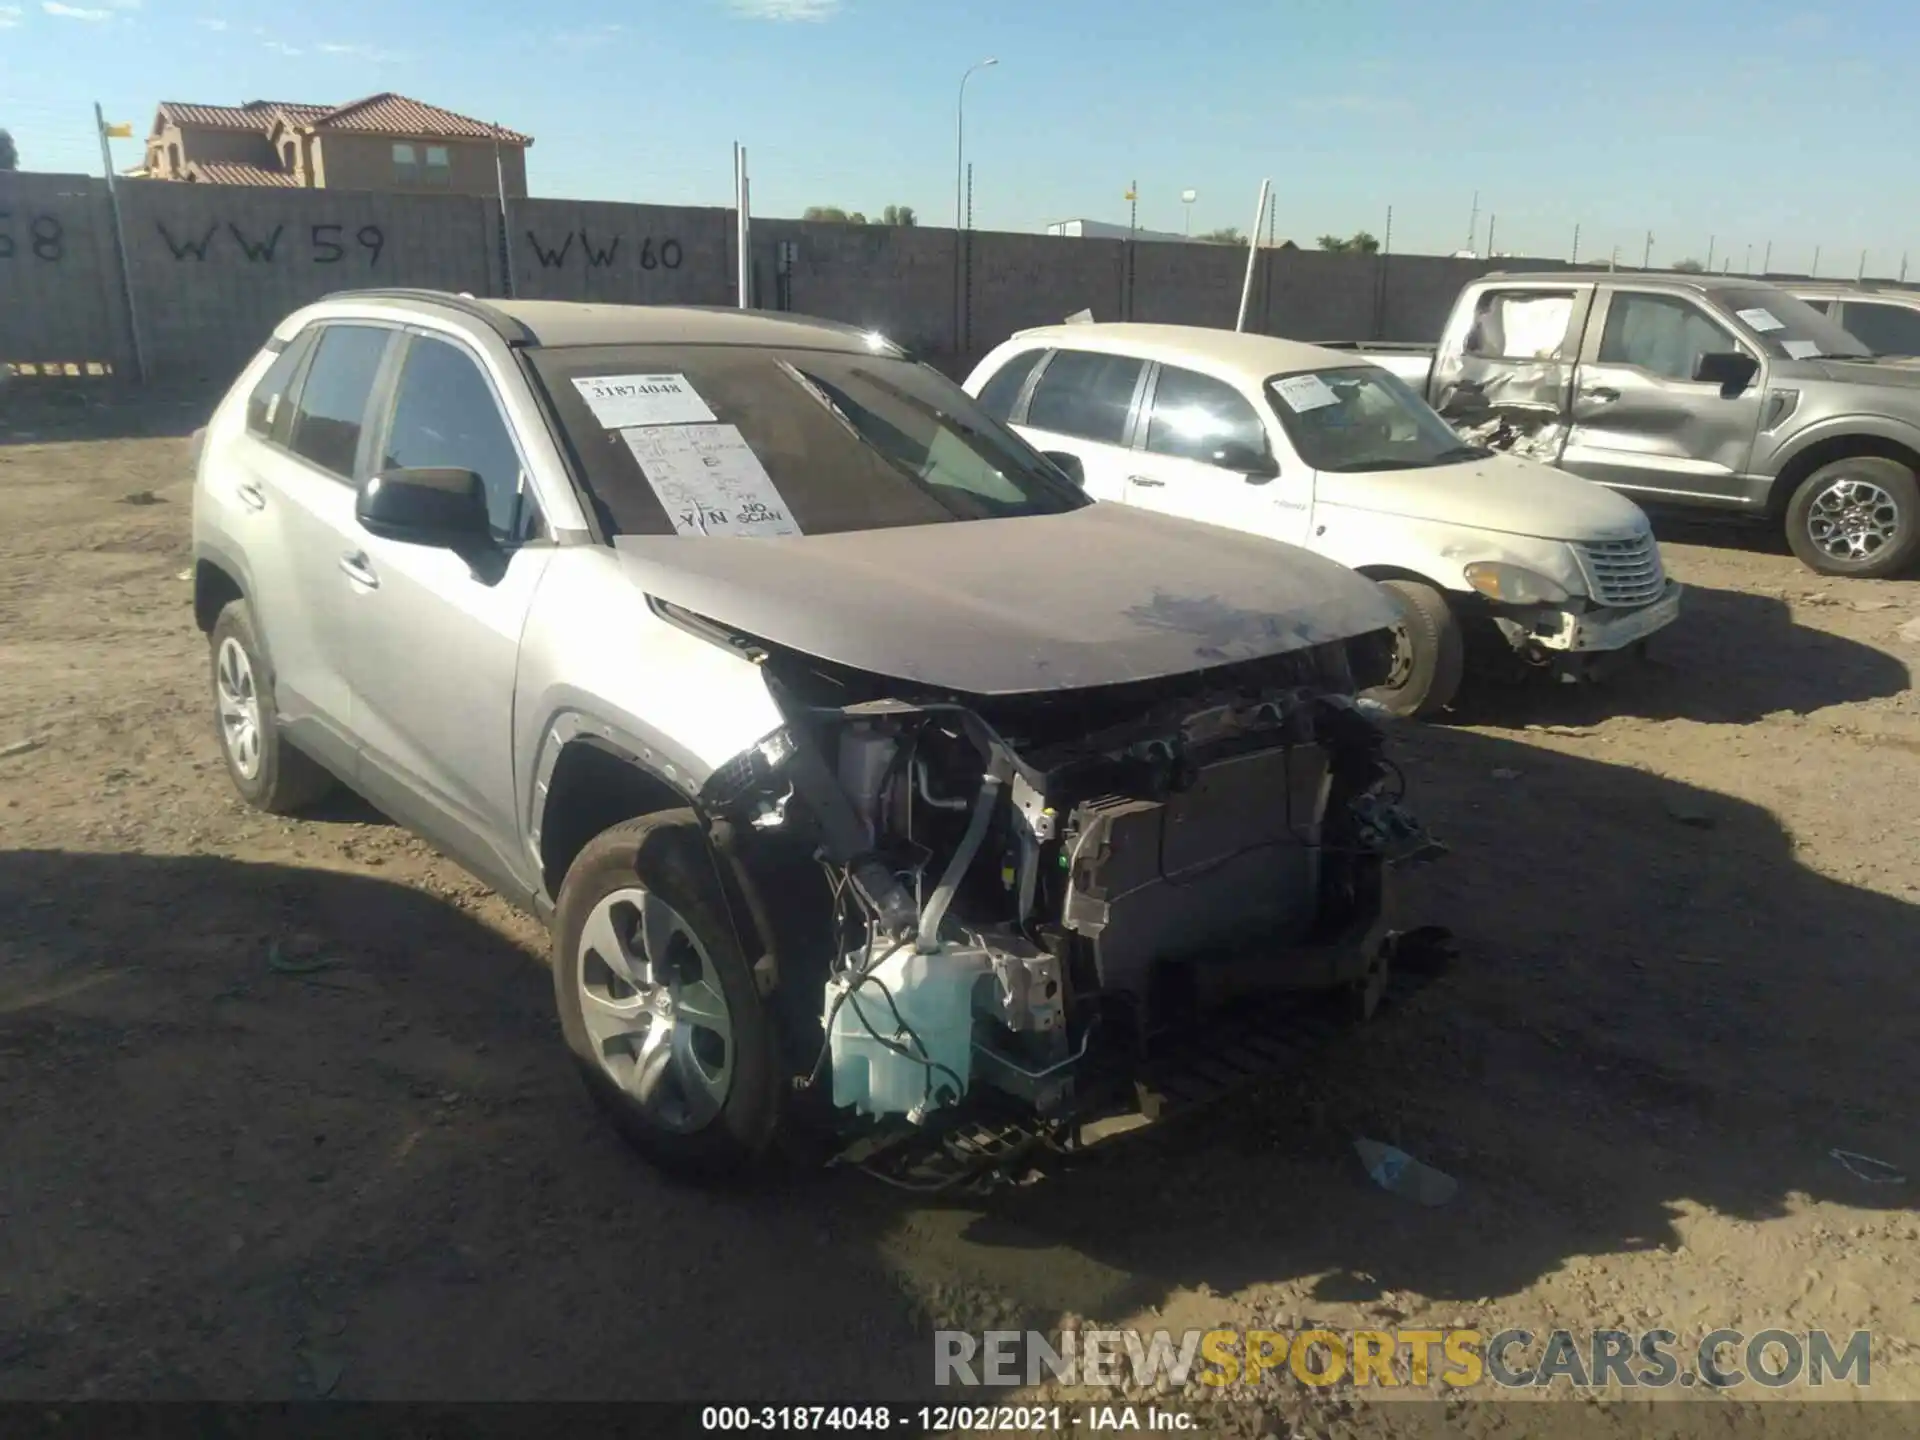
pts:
pixel 355 566
pixel 1605 394
pixel 1146 480
pixel 251 495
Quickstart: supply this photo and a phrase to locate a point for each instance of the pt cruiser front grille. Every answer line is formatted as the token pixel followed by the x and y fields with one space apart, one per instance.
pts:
pixel 1623 573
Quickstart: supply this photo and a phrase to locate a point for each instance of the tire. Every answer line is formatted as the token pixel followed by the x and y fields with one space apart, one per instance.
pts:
pixel 1858 516
pixel 1430 655
pixel 269 773
pixel 698 1100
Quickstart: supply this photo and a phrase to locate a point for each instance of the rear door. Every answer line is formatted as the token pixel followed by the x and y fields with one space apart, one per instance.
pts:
pixel 1640 421
pixel 1511 357
pixel 435 639
pixel 1189 418
pixel 306 477
pixel 1085 403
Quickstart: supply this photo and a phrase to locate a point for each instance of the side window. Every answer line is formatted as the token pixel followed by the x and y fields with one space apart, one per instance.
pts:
pixel 1195 416
pixel 270 406
pixel 333 401
pixel 1522 325
pixel 1819 303
pixel 1660 333
pixel 1883 329
pixel 445 416
pixel 999 393
pixel 1086 394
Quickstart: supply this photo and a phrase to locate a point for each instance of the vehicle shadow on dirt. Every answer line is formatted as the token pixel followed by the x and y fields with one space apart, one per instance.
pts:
pixel 275 1132
pixel 1759 660
pixel 1647 1016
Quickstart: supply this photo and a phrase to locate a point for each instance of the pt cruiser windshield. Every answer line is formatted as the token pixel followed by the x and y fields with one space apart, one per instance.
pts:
pixel 1363 418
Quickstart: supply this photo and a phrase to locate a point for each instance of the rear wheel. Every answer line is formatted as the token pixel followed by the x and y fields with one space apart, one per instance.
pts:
pixel 1429 656
pixel 1858 516
pixel 269 773
pixel 657 1003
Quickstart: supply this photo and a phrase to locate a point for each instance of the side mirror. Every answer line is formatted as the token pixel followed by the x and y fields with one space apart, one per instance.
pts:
pixel 1256 465
pixel 1068 465
pixel 443 508
pixel 1731 370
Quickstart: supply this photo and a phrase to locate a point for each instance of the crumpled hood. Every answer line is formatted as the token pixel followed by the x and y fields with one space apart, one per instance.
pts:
pixel 1102 595
pixel 1502 493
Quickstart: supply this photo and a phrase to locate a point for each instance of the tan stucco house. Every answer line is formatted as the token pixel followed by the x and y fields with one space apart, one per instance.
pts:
pixel 384 142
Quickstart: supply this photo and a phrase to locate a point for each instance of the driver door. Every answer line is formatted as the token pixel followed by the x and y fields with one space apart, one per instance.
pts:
pixel 1194 422
pixel 436 636
pixel 1641 422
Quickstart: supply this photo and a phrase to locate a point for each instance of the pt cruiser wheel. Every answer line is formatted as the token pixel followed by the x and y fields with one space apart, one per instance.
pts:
pixel 1859 516
pixel 657 1003
pixel 1429 654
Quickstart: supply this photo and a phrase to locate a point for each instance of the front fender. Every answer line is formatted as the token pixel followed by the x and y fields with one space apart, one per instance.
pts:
pixel 1892 428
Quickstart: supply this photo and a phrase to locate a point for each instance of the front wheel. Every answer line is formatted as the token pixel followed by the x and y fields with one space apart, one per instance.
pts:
pixel 658 1005
pixel 1858 517
pixel 1429 653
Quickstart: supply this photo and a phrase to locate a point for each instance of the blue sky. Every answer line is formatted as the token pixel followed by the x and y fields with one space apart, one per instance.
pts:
pixel 1749 122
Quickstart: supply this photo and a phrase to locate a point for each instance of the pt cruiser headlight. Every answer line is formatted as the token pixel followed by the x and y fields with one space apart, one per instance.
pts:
pixel 1513 584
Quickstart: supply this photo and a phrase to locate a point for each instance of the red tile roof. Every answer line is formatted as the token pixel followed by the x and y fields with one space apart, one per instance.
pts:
pixel 230 172
pixel 390 114
pixel 382 114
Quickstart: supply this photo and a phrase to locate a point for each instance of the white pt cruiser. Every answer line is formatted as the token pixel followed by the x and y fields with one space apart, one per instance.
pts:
pixel 1303 445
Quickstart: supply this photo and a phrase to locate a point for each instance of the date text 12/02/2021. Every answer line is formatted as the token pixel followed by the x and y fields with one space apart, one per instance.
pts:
pixel 944 1419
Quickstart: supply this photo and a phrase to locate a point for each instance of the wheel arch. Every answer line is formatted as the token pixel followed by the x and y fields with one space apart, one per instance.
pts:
pixel 215 586
pixel 1824 451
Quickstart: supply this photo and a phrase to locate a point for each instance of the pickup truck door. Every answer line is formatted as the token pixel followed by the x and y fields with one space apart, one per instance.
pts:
pixel 1508 353
pixel 1640 421
pixel 1190 424
pixel 1086 404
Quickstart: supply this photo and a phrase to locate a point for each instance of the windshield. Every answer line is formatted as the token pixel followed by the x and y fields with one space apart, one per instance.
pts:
pixel 1786 327
pixel 733 439
pixel 1363 418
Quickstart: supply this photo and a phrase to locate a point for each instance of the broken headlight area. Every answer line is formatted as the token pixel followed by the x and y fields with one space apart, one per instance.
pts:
pixel 1028 893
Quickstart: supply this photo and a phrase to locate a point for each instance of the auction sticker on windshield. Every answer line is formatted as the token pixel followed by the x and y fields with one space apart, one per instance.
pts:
pixel 621 401
pixel 709 480
pixel 1305 392
pixel 1800 349
pixel 1759 319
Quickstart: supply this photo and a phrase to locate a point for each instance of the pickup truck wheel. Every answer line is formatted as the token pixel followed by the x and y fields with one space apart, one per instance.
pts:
pixel 270 774
pixel 1429 656
pixel 657 1002
pixel 1858 516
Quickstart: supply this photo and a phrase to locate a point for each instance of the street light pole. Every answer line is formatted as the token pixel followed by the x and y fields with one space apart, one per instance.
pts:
pixel 960 144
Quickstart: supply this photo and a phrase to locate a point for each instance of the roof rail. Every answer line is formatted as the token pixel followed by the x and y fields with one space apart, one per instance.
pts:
pixel 509 329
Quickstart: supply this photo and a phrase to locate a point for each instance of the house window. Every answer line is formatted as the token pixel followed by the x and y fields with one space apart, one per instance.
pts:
pixel 406 165
pixel 439 166
pixel 173 159
pixel 286 154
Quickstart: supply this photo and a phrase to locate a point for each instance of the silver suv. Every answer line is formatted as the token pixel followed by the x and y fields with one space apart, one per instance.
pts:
pixel 866 772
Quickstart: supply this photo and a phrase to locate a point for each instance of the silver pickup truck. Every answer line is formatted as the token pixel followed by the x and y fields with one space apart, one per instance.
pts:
pixel 1688 390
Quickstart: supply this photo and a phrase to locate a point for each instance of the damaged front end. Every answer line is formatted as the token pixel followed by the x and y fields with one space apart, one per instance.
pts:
pixel 1029 893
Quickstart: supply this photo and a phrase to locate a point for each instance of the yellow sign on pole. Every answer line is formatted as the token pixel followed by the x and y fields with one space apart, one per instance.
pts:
pixel 119 132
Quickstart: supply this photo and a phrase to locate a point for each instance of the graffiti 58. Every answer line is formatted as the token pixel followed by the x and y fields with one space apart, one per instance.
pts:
pixel 45 239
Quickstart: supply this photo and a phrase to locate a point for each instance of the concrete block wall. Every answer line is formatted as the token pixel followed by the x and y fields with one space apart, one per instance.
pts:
pixel 214 268
pixel 59 276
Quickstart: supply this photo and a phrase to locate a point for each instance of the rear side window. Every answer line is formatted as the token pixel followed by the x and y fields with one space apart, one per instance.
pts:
pixel 333 401
pixel 1085 394
pixel 270 406
pixel 1883 329
pixel 1521 325
pixel 1195 417
pixel 999 393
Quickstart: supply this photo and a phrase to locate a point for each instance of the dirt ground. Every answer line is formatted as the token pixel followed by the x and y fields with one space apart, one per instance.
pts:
pixel 1688 907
